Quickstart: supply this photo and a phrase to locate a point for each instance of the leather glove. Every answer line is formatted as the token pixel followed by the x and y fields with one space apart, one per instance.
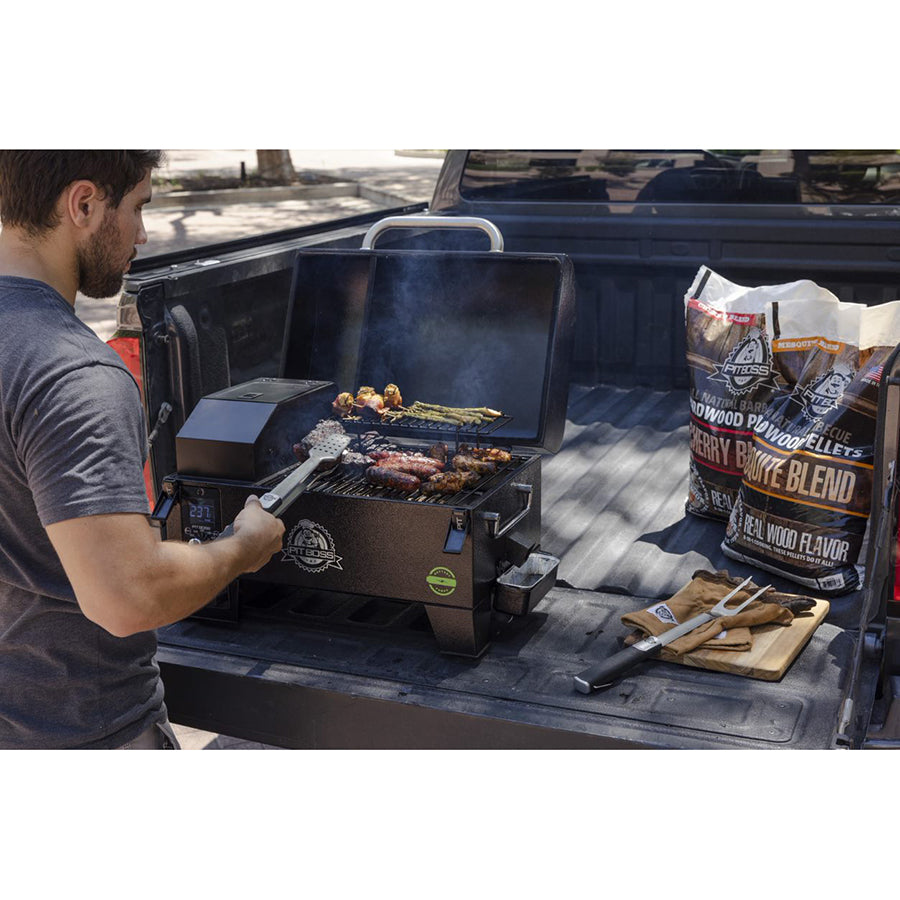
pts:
pixel 701 594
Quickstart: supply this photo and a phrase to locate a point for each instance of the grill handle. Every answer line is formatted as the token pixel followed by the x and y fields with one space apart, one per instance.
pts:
pixel 489 228
pixel 492 519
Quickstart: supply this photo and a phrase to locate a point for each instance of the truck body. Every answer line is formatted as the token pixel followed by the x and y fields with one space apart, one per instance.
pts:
pixel 305 670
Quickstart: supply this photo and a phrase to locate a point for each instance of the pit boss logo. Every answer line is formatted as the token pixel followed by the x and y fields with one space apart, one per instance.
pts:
pixel 310 547
pixel 822 395
pixel 663 613
pixel 749 365
pixel 697 493
pixel 441 581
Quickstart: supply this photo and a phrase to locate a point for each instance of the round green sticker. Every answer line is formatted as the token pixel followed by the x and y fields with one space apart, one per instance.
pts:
pixel 441 581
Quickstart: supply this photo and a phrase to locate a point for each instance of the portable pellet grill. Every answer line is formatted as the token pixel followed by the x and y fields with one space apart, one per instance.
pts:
pixel 456 328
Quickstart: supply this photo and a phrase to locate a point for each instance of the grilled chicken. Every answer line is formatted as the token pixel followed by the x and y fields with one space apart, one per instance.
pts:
pixel 373 406
pixel 449 482
pixel 343 404
pixel 392 397
pixel 492 454
pixel 466 463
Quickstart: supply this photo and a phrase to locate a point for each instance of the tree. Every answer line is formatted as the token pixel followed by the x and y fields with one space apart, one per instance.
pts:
pixel 275 166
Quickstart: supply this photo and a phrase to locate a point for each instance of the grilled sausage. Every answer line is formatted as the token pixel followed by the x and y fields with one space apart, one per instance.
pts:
pixel 391 478
pixel 394 458
pixel 418 467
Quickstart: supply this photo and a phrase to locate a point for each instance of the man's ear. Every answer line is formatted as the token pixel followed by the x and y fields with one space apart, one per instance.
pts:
pixel 83 203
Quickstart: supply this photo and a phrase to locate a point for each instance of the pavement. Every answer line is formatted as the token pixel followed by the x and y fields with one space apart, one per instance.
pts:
pixel 363 181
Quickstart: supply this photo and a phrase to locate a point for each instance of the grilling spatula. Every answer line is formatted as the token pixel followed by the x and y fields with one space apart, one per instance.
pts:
pixel 277 500
pixel 605 673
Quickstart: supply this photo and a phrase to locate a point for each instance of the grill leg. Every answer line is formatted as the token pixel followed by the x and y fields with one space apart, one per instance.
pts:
pixel 460 632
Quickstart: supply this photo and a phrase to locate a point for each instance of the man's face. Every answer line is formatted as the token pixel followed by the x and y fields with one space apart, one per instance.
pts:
pixel 106 256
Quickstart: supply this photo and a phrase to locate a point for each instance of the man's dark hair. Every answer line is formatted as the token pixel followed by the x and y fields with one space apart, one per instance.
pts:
pixel 32 180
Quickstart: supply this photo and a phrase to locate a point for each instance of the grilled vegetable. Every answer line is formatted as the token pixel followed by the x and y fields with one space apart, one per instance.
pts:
pixel 482 411
pixel 449 415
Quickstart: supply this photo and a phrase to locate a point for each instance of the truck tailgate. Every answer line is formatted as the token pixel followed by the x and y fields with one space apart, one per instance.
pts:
pixel 346 671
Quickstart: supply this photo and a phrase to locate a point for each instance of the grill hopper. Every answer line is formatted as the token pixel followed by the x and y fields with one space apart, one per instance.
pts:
pixel 246 432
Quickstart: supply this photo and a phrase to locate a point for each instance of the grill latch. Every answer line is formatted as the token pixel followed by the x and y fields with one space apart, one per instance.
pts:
pixel 167 500
pixel 456 533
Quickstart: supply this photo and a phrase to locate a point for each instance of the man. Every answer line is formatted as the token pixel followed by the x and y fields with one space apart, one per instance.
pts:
pixel 84 577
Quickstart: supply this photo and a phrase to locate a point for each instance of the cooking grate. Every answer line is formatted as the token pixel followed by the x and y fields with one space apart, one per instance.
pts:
pixel 346 483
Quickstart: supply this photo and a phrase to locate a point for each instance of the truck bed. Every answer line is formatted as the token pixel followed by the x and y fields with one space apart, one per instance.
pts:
pixel 330 671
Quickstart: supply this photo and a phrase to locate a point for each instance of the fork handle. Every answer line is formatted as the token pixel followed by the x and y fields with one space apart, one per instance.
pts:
pixel 605 673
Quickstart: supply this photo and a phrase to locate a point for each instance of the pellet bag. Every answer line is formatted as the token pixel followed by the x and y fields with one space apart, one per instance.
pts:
pixel 733 376
pixel 803 506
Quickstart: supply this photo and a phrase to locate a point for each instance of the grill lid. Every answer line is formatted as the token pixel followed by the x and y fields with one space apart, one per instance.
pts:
pixel 455 328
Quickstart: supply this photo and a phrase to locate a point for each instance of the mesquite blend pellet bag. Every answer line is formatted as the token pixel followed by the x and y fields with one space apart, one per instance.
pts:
pixel 803 506
pixel 733 375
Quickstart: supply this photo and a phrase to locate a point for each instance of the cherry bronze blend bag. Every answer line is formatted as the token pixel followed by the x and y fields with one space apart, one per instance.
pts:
pixel 733 375
pixel 803 507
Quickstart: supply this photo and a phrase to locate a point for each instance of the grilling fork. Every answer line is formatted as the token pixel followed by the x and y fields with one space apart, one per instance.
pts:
pixel 283 494
pixel 604 674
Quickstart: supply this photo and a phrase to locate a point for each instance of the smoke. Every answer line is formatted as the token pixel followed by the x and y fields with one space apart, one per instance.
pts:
pixel 461 330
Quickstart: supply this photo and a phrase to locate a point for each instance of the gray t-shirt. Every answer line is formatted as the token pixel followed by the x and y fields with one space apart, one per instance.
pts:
pixel 72 444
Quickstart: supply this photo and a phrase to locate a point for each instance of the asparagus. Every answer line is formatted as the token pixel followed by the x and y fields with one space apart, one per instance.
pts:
pixel 451 415
pixel 459 410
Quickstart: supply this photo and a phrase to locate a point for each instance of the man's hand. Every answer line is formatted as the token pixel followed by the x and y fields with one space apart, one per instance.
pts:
pixel 126 579
pixel 260 531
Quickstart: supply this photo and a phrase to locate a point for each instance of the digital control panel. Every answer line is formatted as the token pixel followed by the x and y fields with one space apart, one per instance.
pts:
pixel 201 515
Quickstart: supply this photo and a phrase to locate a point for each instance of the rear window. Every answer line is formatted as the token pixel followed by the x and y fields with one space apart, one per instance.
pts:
pixel 685 176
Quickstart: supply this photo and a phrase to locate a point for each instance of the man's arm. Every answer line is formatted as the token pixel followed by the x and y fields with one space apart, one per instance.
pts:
pixel 126 579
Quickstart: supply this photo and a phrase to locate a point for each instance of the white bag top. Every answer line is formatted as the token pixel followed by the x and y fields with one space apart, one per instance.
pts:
pixel 726 296
pixel 880 326
pixel 812 320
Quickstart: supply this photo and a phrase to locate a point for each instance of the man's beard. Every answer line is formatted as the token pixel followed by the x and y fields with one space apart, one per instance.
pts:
pixel 99 274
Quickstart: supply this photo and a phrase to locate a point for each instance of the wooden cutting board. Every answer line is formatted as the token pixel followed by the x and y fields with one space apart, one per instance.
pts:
pixel 774 648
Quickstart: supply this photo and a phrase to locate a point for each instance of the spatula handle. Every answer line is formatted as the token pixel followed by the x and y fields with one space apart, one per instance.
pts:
pixel 605 673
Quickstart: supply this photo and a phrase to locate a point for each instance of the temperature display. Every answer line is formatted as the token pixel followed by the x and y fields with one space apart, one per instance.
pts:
pixel 201 514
